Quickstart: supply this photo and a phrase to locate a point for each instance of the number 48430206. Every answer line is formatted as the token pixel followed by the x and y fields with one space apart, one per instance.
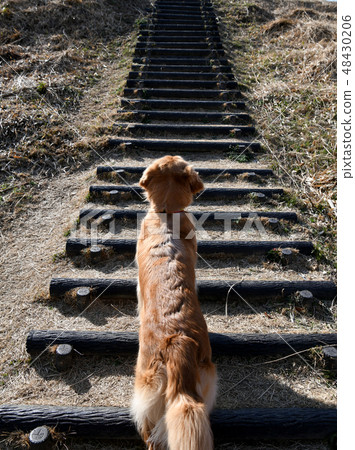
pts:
pixel 346 44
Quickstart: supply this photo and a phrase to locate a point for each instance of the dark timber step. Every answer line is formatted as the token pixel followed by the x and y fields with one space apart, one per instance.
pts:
pixel 180 14
pixel 179 52
pixel 182 20
pixel 161 11
pixel 203 171
pixel 182 11
pixel 182 68
pixel 181 145
pixel 114 343
pixel 179 26
pixel 180 33
pixel 193 61
pixel 183 93
pixel 209 194
pixel 74 246
pixel 89 214
pixel 145 74
pixel 227 425
pixel 183 104
pixel 191 16
pixel 182 84
pixel 192 39
pixel 207 117
pixel 215 290
pixel 237 130
pixel 180 45
pixel 184 5
pixel 190 24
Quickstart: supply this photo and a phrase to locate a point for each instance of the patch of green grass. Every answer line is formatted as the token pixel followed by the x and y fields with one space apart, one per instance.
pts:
pixel 67 233
pixel 319 253
pixel 235 155
pixel 58 256
pixel 42 88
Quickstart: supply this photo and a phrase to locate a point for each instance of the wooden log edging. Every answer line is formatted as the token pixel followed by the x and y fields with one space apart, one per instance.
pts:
pixel 202 171
pixel 113 343
pixel 215 216
pixel 207 290
pixel 207 194
pixel 75 246
pixel 227 425
pixel 180 145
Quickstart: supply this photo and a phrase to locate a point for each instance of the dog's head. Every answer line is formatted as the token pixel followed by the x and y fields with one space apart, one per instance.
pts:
pixel 170 183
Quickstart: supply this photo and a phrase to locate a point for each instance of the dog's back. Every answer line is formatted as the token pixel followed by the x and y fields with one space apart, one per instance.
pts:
pixel 175 378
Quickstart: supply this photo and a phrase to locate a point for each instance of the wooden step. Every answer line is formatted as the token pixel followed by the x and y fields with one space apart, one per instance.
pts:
pixel 115 343
pixel 187 145
pixel 235 249
pixel 227 425
pixel 208 290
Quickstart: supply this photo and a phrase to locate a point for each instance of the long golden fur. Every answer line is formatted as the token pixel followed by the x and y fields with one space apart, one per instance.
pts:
pixel 175 383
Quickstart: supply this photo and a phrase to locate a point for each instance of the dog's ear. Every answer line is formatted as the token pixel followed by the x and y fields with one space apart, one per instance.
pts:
pixel 146 178
pixel 195 181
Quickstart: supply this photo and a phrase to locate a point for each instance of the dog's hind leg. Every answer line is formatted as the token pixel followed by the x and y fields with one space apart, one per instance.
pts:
pixel 148 405
pixel 207 387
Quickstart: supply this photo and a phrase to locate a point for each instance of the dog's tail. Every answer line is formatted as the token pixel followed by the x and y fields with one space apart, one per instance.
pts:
pixel 186 419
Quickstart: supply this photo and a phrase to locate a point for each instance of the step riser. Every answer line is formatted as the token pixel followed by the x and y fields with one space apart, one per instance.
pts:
pixel 180 17
pixel 75 247
pixel 203 172
pixel 184 6
pixel 115 343
pixel 183 27
pixel 207 290
pixel 183 105
pixel 232 119
pixel 179 76
pixel 201 21
pixel 177 27
pixel 116 423
pixel 211 53
pixel 181 94
pixel 180 14
pixel 180 34
pixel 213 130
pixel 147 45
pixel 208 62
pixel 179 39
pixel 182 84
pixel 182 68
pixel 208 194
pixel 182 146
pixel 90 216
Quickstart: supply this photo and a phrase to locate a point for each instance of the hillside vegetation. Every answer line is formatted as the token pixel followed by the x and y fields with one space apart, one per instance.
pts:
pixel 53 56
pixel 285 55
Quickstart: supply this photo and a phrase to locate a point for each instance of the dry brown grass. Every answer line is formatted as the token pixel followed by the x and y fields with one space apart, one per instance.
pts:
pixel 289 64
pixel 58 59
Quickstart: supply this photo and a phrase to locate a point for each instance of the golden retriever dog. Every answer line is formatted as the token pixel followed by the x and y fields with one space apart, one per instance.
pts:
pixel 175 384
